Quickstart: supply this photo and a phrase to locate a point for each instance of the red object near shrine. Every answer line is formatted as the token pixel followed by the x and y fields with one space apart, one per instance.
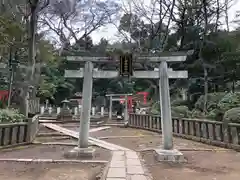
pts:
pixel 145 95
pixel 130 100
pixel 3 95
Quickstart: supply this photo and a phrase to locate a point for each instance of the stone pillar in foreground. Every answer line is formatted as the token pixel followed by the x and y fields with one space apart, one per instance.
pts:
pixel 165 106
pixel 86 105
pixel 166 153
pixel 82 150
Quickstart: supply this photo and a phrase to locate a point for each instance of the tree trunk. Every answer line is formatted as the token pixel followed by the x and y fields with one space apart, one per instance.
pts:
pixel 32 41
pixel 10 79
pixel 31 27
pixel 233 86
pixel 205 90
pixel 204 4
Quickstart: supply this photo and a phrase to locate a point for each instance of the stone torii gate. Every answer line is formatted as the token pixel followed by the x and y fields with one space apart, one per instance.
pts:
pixel 163 74
pixel 116 97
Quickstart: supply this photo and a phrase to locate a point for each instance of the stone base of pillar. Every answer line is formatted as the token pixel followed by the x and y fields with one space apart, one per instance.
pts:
pixel 80 153
pixel 173 155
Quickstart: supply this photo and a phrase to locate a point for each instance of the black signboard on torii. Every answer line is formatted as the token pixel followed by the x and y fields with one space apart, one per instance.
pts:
pixel 126 65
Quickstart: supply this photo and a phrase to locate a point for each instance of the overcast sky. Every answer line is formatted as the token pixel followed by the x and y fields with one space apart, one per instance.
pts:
pixel 109 32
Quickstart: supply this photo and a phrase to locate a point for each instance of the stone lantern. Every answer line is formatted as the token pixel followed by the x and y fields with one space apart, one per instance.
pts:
pixel 65 113
pixel 65 103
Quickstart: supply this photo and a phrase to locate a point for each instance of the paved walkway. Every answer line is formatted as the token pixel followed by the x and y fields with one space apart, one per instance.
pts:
pixel 125 163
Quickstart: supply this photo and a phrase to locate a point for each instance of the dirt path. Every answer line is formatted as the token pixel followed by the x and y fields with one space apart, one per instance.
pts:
pixel 42 171
pixel 204 162
pixel 142 139
pixel 49 171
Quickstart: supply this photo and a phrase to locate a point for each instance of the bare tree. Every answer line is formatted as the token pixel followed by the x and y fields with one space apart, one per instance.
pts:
pixel 158 15
pixel 126 8
pixel 73 20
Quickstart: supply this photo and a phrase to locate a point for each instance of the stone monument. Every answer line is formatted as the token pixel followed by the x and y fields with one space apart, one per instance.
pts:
pixel 65 113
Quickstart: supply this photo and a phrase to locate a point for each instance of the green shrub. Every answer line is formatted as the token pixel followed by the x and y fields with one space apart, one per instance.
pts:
pixel 232 116
pixel 11 116
pixel 195 113
pixel 180 111
pixel 179 102
pixel 177 111
pixel 155 109
pixel 212 101
pixel 216 115
pixel 229 101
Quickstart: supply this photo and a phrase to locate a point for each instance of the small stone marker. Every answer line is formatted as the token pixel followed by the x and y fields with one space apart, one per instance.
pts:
pixel 42 110
pixel 75 111
pixel 50 110
pixel 93 111
pixel 58 110
pixel 102 111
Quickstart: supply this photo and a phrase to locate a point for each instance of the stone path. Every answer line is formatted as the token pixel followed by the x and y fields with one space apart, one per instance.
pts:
pixel 125 163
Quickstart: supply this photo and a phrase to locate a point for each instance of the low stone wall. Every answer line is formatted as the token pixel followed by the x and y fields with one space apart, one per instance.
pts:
pixel 18 133
pixel 210 132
